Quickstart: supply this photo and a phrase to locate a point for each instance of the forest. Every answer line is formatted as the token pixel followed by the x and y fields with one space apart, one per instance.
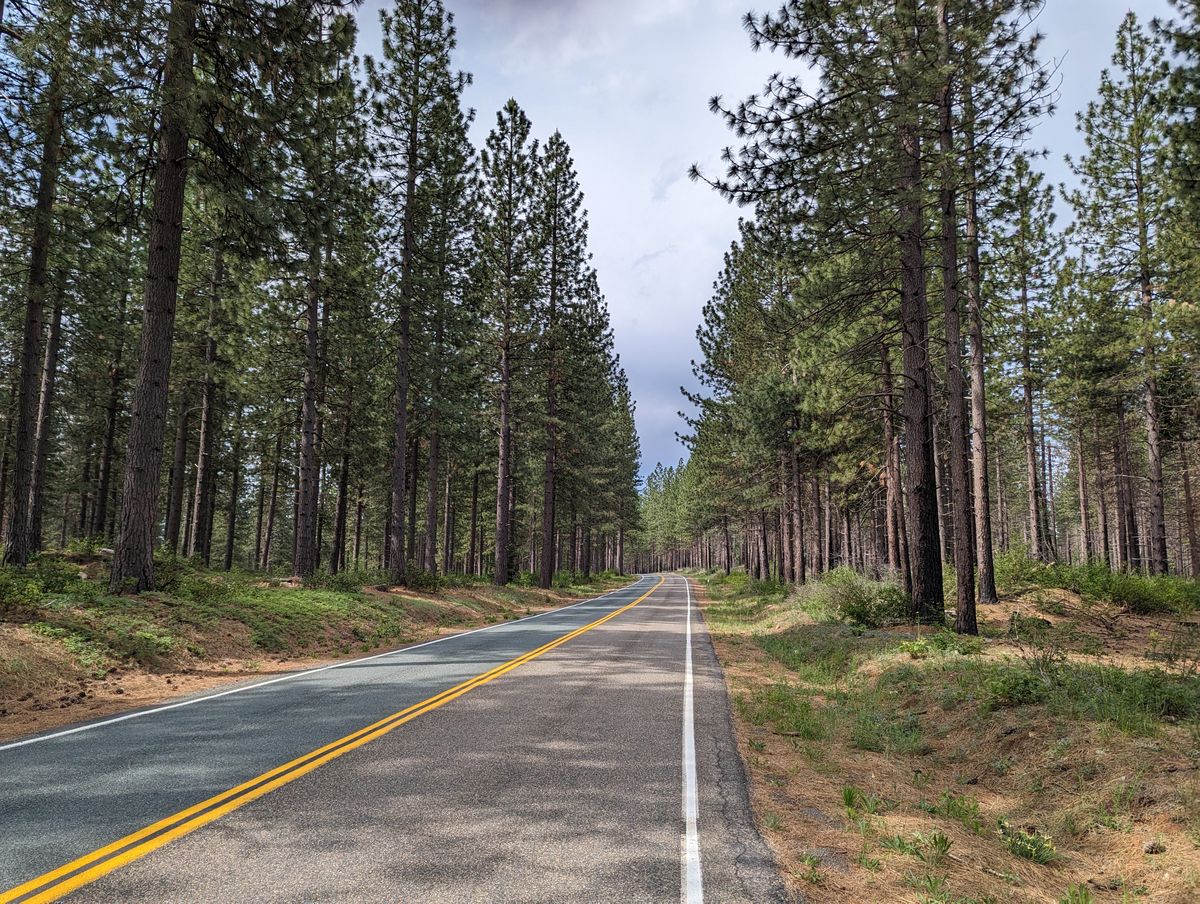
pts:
pixel 908 365
pixel 268 309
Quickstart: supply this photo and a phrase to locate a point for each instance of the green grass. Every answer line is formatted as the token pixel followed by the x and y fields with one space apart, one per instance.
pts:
pixel 787 711
pixel 822 654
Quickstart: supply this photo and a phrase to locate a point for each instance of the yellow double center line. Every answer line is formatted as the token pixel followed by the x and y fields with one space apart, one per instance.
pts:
pixel 79 872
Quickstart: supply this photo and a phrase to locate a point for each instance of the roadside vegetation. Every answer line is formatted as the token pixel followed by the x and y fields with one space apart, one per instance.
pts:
pixel 70 649
pixel 1053 757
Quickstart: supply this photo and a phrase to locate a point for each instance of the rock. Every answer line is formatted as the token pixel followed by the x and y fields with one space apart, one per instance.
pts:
pixel 1154 846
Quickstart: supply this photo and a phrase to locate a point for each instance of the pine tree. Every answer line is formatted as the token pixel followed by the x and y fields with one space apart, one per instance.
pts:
pixel 407 84
pixel 563 225
pixel 508 274
pixel 1120 206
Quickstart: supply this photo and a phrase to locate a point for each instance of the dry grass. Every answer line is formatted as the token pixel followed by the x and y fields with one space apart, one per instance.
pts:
pixel 934 763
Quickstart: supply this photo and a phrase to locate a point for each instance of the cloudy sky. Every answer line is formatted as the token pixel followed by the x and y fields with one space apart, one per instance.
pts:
pixel 628 83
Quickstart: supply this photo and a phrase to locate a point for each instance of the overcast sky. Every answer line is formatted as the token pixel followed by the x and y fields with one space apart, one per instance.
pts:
pixel 628 82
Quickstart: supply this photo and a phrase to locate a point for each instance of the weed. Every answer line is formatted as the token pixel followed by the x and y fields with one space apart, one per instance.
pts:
pixel 932 849
pixel 867 862
pixel 1029 843
pixel 899 844
pixel 812 873
pixel 1077 894
pixel 960 807
pixel 1011 686
pixel 857 803
pixel 844 595
pixel 772 821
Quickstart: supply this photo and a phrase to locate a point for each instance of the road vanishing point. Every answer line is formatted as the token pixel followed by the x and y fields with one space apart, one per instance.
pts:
pixel 583 754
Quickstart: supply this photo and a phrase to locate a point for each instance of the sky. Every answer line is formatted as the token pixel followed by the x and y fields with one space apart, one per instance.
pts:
pixel 628 84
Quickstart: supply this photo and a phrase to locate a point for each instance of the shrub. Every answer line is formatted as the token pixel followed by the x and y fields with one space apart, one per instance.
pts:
pixel 847 596
pixel 342 582
pixel 1010 686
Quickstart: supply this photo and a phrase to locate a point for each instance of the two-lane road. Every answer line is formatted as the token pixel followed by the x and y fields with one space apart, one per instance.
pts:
pixel 584 754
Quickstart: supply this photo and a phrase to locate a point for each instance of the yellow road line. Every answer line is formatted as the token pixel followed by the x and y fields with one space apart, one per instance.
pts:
pixel 53 885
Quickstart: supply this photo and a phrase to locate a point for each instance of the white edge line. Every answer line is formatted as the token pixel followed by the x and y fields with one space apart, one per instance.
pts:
pixel 693 882
pixel 288 677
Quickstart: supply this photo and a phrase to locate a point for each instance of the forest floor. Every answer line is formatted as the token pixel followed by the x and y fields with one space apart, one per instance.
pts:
pixel 71 651
pixel 1056 758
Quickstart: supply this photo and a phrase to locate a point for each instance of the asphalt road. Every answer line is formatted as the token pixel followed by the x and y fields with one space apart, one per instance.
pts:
pixel 542 760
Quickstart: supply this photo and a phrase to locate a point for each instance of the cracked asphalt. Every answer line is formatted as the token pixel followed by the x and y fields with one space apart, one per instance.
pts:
pixel 558 781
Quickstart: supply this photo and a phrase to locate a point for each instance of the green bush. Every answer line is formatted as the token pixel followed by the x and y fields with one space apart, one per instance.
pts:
pixel 847 596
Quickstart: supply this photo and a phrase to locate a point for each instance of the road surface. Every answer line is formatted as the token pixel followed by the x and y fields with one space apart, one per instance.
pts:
pixel 584 754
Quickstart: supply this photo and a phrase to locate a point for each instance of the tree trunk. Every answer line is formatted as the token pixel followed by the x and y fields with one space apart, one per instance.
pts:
pixel 962 519
pixel 337 555
pixel 1086 547
pixel 431 498
pixel 175 490
pixel 359 512
pixel 928 605
pixel 414 461
pixel 273 504
pixel 447 526
pixel 115 377
pixel 1189 511
pixel 797 515
pixel 305 562
pixel 235 490
pixel 133 560
pixel 398 558
pixel 503 471
pixel 892 464
pixel 260 508
pixel 1102 502
pixel 204 448
pixel 18 543
pixel 5 451
pixel 41 444
pixel 986 576
pixel 473 544
pixel 1036 545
